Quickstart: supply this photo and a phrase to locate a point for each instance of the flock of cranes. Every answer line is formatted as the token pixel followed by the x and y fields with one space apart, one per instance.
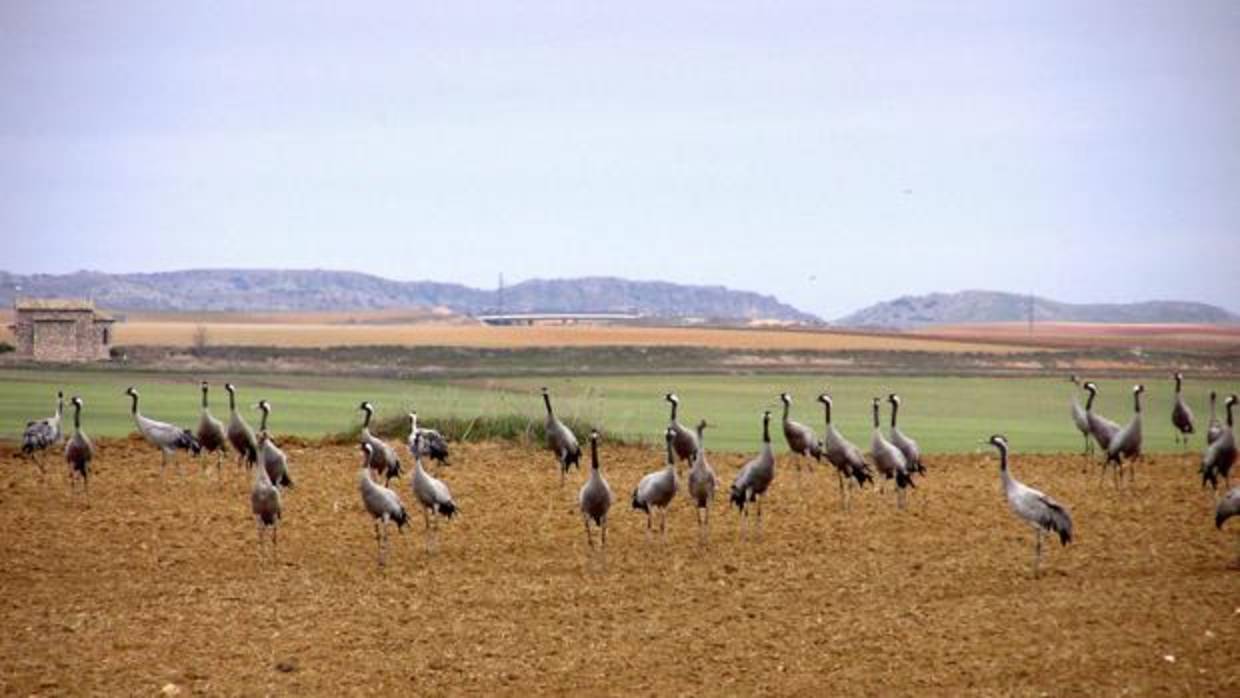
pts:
pixel 894 456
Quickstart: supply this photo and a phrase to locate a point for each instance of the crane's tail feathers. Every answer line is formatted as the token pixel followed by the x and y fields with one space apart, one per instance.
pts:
pixel 904 479
pixel 738 498
pixel 573 458
pixel 447 509
pixel 285 480
pixel 400 517
pixel 639 504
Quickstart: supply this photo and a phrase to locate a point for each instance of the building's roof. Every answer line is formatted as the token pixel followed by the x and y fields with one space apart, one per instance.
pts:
pixel 53 304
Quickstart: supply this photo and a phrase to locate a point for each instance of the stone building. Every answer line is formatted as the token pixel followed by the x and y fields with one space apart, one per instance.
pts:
pixel 60 329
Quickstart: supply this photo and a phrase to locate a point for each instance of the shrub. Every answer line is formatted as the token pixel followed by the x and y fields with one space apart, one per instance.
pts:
pixel 508 427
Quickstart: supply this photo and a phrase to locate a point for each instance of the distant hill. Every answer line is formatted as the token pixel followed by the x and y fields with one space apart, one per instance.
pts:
pixel 252 290
pixel 996 306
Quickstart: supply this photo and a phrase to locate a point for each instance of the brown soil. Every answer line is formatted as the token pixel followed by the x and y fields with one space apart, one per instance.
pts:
pixel 155 586
pixel 1091 335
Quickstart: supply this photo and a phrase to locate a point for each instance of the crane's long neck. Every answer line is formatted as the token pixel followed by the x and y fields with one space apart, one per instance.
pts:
pixel 60 404
pixel 876 423
pixel 671 456
pixel 547 402
pixel 593 457
pixel 1089 402
pixel 827 407
pixel 1136 401
pixel 232 401
pixel 1213 407
pixel 204 397
pixel 787 405
pixel 263 425
pixel 1229 405
pixel 417 452
pixel 895 408
pixel 133 408
pixel 674 406
pixel 77 417
pixel 766 430
pixel 366 420
pixel 1004 475
pixel 1178 382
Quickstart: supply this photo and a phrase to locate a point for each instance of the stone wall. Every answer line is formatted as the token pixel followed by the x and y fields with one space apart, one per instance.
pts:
pixel 60 335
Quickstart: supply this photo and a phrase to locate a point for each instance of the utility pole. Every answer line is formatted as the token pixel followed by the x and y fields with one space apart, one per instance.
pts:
pixel 501 294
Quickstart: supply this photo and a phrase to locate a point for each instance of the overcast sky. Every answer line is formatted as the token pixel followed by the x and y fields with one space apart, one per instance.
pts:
pixel 832 154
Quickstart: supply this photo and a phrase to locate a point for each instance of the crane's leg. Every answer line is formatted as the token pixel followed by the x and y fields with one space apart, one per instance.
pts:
pixel 843 492
pixel 378 542
pixel 758 519
pixel 603 529
pixel 1037 552
pixel 663 525
pixel 275 541
pixel 258 527
pixel 585 521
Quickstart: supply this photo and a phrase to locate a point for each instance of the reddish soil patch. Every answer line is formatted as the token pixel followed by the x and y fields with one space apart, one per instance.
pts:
pixel 156 583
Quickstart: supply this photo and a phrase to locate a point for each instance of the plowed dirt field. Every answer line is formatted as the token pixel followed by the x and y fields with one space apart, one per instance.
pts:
pixel 155 586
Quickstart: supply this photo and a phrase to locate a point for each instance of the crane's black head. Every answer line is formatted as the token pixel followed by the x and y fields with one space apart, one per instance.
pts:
pixel 1091 386
pixel 1073 379
pixel 131 392
pixel 60 394
pixel 766 416
pixel 1178 376
pixel 785 398
pixel 825 398
pixel 594 436
pixel 230 387
pixel 264 405
pixel 543 390
pixel 893 399
pixel 204 385
pixel 76 401
pixel 999 441
pixel 1138 388
pixel 702 424
pixel 1213 396
pixel 366 407
pixel 1231 399
pixel 672 398
pixel 876 401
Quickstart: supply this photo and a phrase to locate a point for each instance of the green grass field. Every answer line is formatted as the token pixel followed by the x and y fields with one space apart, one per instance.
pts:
pixel 945 414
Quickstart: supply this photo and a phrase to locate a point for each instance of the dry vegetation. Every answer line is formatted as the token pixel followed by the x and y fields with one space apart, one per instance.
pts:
pixel 156 583
pixel 181 333
pixel 1093 335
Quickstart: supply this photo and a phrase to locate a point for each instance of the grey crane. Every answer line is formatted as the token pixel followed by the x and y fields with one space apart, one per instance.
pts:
pixel 1040 511
pixel 1219 456
pixel 79 451
pixel 381 503
pixel 1102 428
pixel 270 456
pixel 166 437
pixel 1227 507
pixel 1080 419
pixel 595 497
pixel 431 492
pixel 1215 428
pixel 755 477
pixel 800 438
pixel 850 465
pixel 267 508
pixel 383 459
pixel 888 459
pixel 40 434
pixel 240 435
pixel 702 483
pixel 657 490
pixel 432 444
pixel 1181 415
pixel 560 440
pixel 907 446
pixel 685 443
pixel 1126 445
pixel 211 435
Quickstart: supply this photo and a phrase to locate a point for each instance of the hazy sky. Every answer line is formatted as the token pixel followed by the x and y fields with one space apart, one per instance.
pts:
pixel 833 154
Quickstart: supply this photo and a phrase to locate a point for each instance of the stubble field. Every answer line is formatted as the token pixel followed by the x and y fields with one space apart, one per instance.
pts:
pixel 155 585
